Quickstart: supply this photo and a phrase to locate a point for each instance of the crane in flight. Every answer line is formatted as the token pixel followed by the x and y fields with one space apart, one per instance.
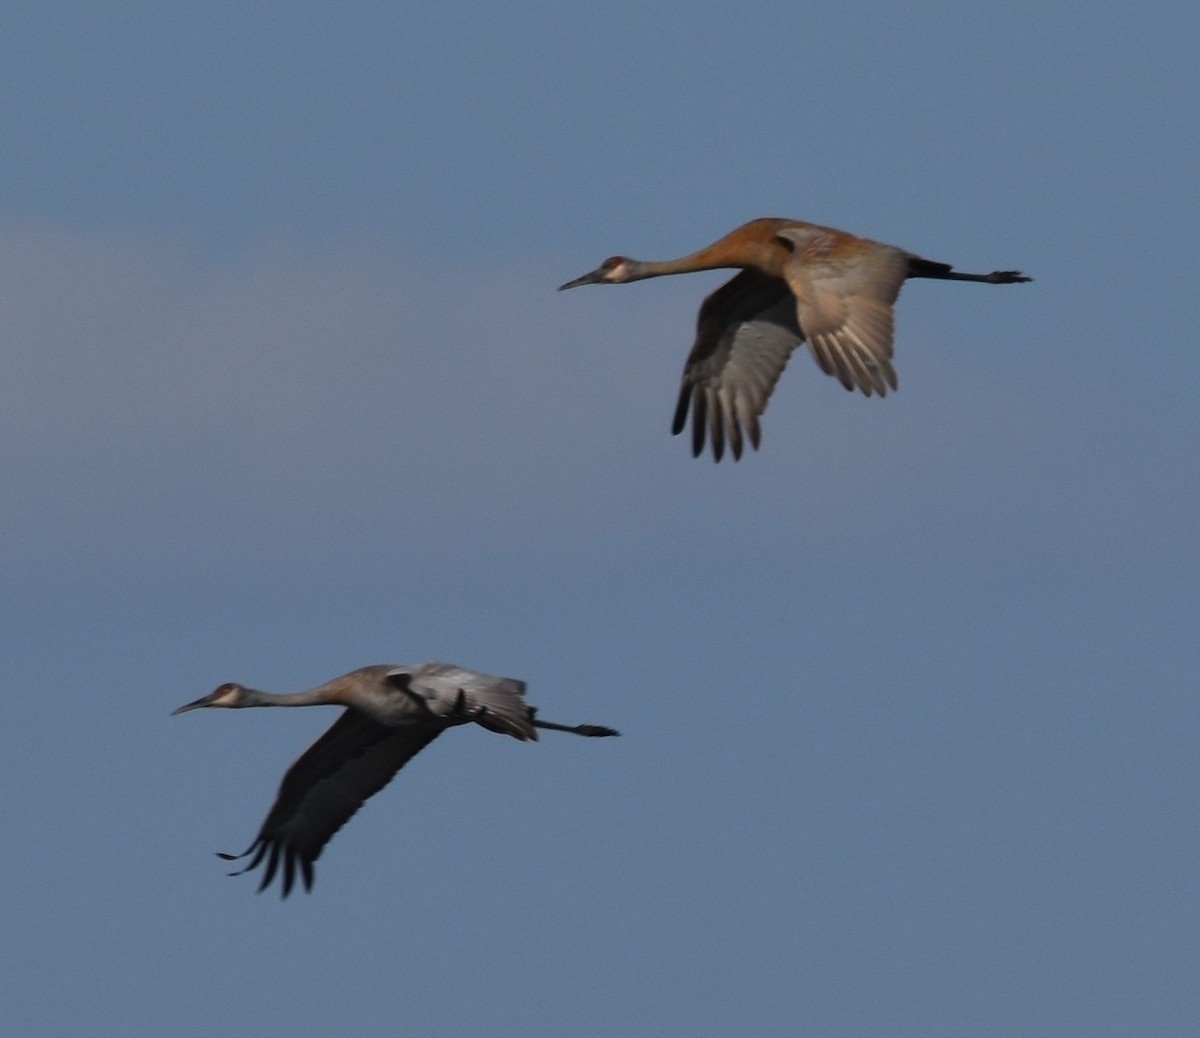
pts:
pixel 392 713
pixel 798 282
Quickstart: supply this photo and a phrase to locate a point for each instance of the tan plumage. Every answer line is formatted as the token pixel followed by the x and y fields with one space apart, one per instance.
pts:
pixel 798 282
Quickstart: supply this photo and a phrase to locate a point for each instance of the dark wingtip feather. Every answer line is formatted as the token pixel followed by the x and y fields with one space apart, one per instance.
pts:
pixel 754 432
pixel 258 847
pixel 699 420
pixel 271 868
pixel 276 859
pixel 735 436
pixel 289 871
pixel 237 857
pixel 717 424
pixel 681 409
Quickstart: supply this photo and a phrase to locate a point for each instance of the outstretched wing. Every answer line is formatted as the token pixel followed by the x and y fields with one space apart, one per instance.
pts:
pixel 323 789
pixel 745 334
pixel 458 695
pixel 845 287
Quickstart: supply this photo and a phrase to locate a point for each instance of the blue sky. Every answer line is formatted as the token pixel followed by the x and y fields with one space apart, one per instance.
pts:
pixel 908 697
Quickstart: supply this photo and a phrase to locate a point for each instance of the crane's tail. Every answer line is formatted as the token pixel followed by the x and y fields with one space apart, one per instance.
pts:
pixel 498 704
pixel 919 267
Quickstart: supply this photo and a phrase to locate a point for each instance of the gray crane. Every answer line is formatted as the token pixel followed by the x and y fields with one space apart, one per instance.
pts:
pixel 799 281
pixel 393 711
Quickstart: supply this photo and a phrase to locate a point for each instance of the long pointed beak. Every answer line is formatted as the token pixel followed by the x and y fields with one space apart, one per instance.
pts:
pixel 596 277
pixel 204 701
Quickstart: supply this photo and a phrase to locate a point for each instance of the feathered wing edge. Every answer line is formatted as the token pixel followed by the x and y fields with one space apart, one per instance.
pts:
pixel 354 759
pixel 858 351
pixel 745 334
pixel 498 704
pixel 844 310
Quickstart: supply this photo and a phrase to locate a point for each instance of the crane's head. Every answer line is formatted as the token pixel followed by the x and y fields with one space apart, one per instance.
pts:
pixel 229 694
pixel 615 270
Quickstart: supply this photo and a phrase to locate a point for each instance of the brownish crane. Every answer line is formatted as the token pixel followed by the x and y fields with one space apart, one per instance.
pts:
pixel 798 282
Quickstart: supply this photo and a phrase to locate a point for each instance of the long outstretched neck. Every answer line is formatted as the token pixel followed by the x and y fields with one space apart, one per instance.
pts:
pixel 310 697
pixel 923 268
pixel 232 696
pixel 710 258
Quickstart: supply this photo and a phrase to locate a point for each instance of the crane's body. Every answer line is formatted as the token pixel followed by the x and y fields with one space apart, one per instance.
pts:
pixel 798 282
pixel 393 711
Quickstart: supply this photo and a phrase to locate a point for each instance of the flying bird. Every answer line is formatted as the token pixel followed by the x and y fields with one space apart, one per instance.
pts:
pixel 393 711
pixel 798 282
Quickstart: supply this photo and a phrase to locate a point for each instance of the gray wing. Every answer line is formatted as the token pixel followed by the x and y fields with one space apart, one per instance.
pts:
pixel 844 288
pixel 745 334
pixel 458 695
pixel 351 762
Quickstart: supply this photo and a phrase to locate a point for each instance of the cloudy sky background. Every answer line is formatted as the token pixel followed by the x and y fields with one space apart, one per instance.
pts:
pixel 908 697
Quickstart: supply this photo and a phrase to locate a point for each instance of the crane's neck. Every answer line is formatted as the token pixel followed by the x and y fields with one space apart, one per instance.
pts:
pixel 310 697
pixel 702 260
pixel 768 258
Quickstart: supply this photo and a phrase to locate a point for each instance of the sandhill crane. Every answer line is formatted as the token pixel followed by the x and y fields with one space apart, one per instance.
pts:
pixel 799 281
pixel 392 713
